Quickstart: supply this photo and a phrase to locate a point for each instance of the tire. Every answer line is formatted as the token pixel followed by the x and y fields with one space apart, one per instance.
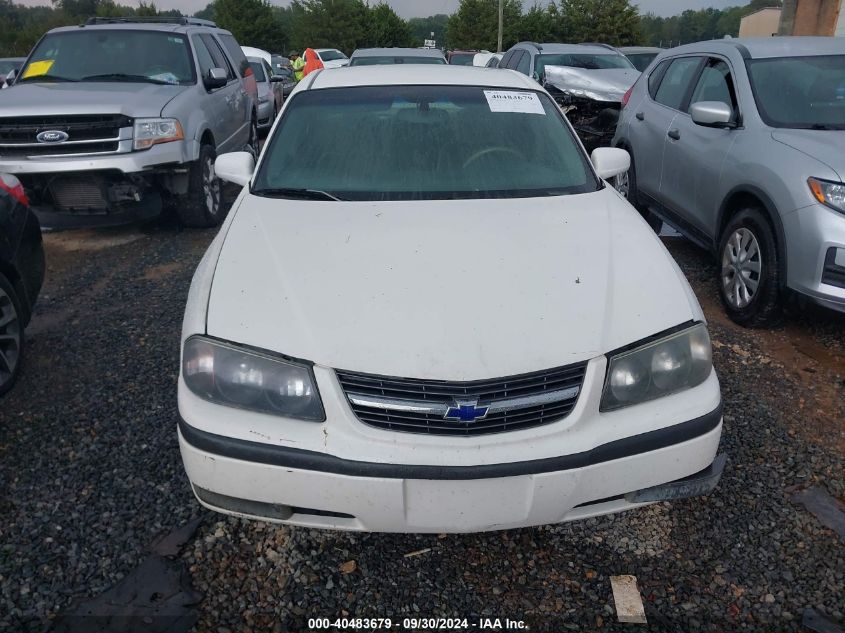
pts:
pixel 202 207
pixel 632 196
pixel 749 272
pixel 11 335
pixel 252 141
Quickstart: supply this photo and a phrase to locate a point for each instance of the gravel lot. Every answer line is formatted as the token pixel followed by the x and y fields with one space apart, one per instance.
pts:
pixel 90 475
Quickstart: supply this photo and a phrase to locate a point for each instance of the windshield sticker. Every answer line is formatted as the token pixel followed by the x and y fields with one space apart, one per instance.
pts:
pixel 36 69
pixel 510 101
pixel 166 77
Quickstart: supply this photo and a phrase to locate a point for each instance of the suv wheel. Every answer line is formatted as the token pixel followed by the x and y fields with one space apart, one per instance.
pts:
pixel 252 143
pixel 626 184
pixel 749 275
pixel 203 205
pixel 11 335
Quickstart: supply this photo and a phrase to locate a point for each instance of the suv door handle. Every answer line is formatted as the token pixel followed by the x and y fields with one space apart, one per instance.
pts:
pixel 674 134
pixel 640 116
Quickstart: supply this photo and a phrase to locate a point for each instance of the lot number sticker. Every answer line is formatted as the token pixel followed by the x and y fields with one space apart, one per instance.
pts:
pixel 511 101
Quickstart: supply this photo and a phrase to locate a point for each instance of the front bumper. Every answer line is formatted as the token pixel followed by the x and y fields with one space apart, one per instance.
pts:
pixel 811 232
pixel 309 488
pixel 265 114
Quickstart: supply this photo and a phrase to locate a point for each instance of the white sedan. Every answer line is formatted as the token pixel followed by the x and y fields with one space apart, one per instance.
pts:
pixel 428 312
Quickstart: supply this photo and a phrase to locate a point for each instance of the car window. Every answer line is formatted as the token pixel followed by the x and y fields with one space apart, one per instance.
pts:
pixel 673 88
pixel 641 60
pixel 111 55
pixel 586 61
pixel 217 55
pixel 424 143
pixel 258 71
pixel 715 84
pixel 493 63
pixel 800 92
pixel 462 59
pixel 506 59
pixel 655 77
pixel 524 65
pixel 330 56
pixel 235 52
pixel 517 57
pixel 206 61
pixel 372 60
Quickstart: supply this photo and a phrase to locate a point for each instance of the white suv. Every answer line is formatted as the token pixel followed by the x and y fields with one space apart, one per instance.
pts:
pixel 436 316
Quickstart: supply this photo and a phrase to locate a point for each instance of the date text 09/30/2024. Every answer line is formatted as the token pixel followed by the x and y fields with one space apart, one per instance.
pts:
pixel 416 624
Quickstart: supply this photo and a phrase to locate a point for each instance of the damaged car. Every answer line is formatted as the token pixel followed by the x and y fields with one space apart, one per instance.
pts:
pixel 588 82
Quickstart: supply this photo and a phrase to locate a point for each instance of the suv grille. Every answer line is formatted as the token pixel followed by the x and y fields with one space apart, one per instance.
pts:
pixel 86 134
pixel 434 407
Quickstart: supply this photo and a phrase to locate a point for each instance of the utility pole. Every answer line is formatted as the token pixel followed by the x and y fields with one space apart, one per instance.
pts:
pixel 501 23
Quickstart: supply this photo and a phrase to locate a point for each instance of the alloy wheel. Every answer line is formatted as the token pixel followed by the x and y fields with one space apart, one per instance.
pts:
pixel 741 268
pixel 10 338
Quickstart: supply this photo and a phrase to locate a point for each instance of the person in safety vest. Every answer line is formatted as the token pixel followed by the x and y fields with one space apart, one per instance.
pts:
pixel 312 62
pixel 297 64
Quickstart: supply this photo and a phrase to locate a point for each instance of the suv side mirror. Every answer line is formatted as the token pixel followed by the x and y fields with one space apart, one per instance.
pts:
pixel 236 167
pixel 610 161
pixel 276 78
pixel 216 78
pixel 711 114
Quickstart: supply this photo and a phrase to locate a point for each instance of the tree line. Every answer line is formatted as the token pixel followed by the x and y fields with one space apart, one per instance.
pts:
pixel 351 24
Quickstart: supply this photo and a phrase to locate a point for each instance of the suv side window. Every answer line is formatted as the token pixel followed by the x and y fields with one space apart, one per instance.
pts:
pixel 217 55
pixel 204 58
pixel 517 57
pixel 524 64
pixel 676 82
pixel 655 77
pixel 235 52
pixel 715 84
pixel 503 63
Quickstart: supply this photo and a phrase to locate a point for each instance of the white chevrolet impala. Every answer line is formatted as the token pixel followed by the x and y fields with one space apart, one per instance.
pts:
pixel 428 311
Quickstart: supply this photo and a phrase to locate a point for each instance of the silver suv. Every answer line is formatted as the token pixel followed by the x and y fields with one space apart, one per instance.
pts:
pixel 738 144
pixel 107 120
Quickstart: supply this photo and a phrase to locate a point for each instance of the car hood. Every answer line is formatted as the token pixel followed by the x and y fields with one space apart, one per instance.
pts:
pixel 452 290
pixel 336 63
pixel 94 97
pixel 823 145
pixel 609 84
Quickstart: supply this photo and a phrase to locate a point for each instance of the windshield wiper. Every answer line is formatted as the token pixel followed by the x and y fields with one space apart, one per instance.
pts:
pixel 45 78
pixel 125 77
pixel 305 194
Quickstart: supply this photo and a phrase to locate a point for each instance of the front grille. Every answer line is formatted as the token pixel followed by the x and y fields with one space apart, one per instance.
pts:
pixel 86 134
pixel 537 391
pixel 833 274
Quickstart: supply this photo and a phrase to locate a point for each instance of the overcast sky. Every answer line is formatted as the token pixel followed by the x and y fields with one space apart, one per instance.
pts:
pixel 415 8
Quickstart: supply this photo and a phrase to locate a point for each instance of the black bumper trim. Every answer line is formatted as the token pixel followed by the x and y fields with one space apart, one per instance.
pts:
pixel 287 457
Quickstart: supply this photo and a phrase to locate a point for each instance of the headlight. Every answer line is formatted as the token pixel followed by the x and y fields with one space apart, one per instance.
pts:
pixel 149 132
pixel 250 379
pixel 670 364
pixel 828 193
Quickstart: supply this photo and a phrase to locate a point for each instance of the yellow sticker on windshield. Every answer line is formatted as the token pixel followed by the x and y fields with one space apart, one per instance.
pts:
pixel 36 69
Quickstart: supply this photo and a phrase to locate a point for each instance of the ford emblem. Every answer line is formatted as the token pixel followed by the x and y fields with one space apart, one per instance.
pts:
pixel 52 136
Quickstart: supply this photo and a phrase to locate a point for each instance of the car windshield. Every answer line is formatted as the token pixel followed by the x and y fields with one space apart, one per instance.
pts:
pixel 329 56
pixel 372 60
pixel 8 65
pixel 423 143
pixel 462 59
pixel 581 60
pixel 258 71
pixel 111 55
pixel 800 92
pixel 641 60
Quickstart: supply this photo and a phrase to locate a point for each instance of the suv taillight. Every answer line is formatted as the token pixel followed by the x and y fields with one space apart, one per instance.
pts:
pixel 627 96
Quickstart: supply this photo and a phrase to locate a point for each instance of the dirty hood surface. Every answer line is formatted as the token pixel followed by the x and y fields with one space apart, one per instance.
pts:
pixel 609 84
pixel 90 97
pixel 452 289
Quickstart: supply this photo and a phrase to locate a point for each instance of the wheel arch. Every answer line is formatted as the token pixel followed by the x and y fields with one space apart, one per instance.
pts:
pixel 744 196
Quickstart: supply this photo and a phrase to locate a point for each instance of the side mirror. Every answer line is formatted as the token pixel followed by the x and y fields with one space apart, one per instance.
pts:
pixel 711 114
pixel 236 167
pixel 610 161
pixel 276 78
pixel 216 78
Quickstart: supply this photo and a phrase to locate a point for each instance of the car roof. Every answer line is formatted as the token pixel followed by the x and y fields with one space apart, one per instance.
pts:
pixel 406 52
pixel 167 27
pixel 420 74
pixel 588 49
pixel 767 47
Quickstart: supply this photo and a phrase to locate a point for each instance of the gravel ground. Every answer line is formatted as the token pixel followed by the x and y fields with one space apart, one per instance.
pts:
pixel 90 475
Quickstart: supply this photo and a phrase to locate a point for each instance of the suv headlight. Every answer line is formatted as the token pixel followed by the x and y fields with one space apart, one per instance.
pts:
pixel 250 379
pixel 831 194
pixel 149 132
pixel 667 365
